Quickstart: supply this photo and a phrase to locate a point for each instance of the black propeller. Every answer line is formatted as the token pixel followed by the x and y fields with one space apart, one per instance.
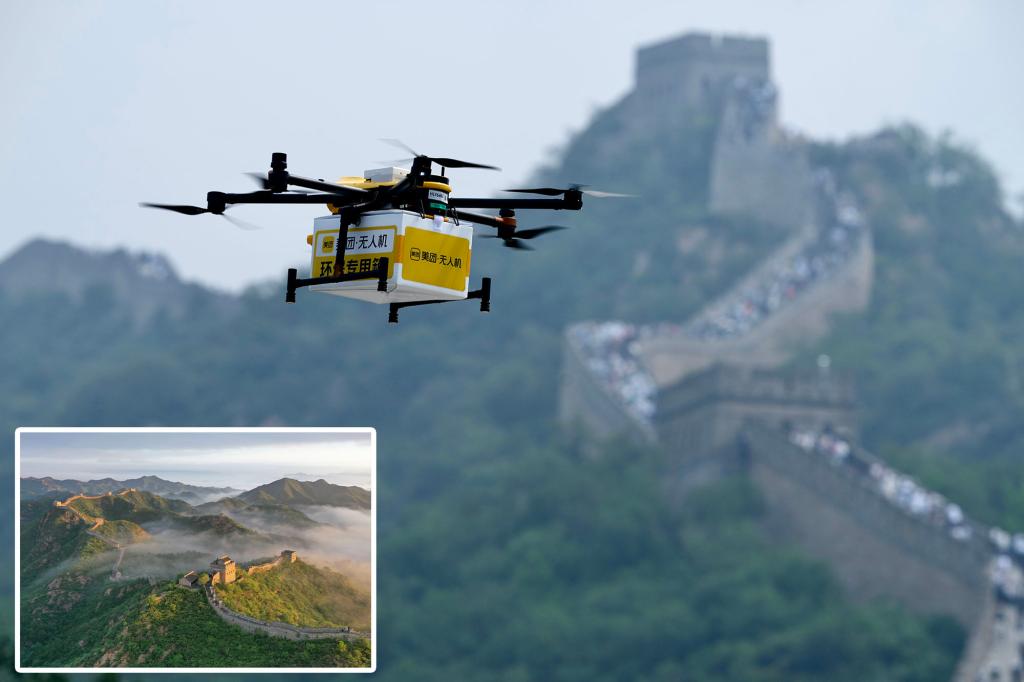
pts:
pixel 178 208
pixel 514 241
pixel 440 160
pixel 185 209
pixel 556 191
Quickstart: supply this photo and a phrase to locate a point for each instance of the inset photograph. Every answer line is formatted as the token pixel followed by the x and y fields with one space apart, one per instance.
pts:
pixel 195 549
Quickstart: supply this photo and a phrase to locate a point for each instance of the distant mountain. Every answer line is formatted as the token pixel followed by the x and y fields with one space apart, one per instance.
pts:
pixel 35 487
pixel 51 535
pixel 224 505
pixel 143 284
pixel 138 506
pixel 288 491
pixel 257 514
pixel 218 524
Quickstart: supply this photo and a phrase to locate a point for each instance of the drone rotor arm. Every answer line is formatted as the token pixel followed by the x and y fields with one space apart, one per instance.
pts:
pixel 213 198
pixel 563 203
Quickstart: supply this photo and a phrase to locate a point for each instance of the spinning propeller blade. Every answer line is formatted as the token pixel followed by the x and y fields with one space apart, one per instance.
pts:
pixel 196 210
pixel 537 231
pixel 510 242
pixel 177 208
pixel 445 161
pixel 556 191
pixel 515 241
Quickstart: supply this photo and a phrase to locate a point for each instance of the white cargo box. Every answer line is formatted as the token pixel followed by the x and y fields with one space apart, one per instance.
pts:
pixel 428 257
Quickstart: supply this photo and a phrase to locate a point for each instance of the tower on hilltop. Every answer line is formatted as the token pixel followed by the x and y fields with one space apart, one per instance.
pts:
pixel 689 74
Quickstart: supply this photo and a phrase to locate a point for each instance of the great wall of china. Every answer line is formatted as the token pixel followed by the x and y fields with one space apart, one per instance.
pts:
pixel 276 629
pixel 96 522
pixel 220 568
pixel 223 571
pixel 712 393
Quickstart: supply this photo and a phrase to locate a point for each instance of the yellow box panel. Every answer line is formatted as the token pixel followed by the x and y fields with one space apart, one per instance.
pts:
pixel 365 247
pixel 440 260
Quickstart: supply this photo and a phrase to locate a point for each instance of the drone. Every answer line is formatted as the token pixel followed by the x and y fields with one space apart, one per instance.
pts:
pixel 396 235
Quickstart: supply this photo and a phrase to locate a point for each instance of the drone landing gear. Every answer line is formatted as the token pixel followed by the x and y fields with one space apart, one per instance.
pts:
pixel 296 282
pixel 483 293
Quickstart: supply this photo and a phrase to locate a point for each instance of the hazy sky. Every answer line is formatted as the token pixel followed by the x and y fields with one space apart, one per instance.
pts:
pixel 238 460
pixel 110 103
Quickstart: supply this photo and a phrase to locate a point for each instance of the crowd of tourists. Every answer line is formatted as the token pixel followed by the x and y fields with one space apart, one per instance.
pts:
pixel 609 348
pixel 784 282
pixel 897 488
pixel 609 353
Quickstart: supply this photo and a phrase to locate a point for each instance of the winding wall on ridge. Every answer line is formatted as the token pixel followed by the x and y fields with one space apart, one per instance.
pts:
pixel 276 629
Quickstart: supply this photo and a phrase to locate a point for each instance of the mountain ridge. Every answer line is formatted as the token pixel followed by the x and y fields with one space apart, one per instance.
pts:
pixel 32 486
pixel 290 491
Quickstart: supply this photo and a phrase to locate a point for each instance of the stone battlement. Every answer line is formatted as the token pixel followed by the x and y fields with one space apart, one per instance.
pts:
pixel 285 557
pixel 276 629
pixel 695 64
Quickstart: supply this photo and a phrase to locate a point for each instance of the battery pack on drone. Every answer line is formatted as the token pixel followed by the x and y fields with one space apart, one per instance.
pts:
pixel 428 258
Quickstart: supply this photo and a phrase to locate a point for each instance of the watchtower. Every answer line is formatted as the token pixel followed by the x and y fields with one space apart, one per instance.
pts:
pixel 689 73
pixel 222 570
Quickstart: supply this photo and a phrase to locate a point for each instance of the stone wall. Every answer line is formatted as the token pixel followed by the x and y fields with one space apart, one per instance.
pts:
pixel 670 358
pixel 875 549
pixel 275 629
pixel 701 416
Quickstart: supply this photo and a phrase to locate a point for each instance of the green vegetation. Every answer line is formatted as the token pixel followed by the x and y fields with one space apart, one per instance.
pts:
pixel 219 525
pixel 553 553
pixel 136 506
pixel 123 532
pixel 300 594
pixel 55 537
pixel 135 625
pixel 938 356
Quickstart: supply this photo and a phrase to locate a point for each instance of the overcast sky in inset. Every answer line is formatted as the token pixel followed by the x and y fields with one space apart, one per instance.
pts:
pixel 237 460
pixel 110 103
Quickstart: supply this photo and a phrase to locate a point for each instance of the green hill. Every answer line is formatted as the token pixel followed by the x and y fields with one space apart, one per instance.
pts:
pixel 47 485
pixel 123 532
pixel 301 594
pixel 288 491
pixel 937 356
pixel 276 514
pixel 133 624
pixel 136 505
pixel 221 506
pixel 219 524
pixel 53 537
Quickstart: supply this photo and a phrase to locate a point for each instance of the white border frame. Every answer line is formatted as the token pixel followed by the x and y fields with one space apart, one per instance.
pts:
pixel 159 429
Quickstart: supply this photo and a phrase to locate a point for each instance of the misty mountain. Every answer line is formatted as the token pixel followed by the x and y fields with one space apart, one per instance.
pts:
pixel 193 494
pixel 132 505
pixel 141 284
pixel 258 514
pixel 288 491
